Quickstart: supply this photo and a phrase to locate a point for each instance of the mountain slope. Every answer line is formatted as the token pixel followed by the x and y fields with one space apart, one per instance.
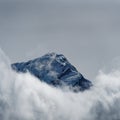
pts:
pixel 55 70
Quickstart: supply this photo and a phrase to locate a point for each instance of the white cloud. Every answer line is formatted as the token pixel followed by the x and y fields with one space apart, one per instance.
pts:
pixel 23 97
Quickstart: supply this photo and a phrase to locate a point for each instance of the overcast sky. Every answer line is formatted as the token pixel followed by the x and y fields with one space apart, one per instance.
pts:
pixel 87 32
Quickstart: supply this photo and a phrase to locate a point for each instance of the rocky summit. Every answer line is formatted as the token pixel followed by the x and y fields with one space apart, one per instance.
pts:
pixel 56 70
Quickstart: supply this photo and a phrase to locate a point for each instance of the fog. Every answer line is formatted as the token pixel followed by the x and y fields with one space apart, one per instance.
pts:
pixel 24 97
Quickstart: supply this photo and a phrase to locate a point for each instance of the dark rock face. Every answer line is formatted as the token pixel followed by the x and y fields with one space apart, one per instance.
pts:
pixel 55 70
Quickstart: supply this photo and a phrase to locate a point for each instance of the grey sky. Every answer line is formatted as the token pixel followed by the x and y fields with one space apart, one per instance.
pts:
pixel 87 32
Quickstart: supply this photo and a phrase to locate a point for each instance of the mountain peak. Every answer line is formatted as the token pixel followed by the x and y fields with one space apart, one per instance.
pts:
pixel 55 70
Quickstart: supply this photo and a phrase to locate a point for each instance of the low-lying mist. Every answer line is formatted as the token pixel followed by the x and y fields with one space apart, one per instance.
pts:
pixel 24 97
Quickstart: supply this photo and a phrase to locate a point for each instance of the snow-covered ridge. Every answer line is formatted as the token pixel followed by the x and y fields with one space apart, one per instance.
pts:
pixel 55 70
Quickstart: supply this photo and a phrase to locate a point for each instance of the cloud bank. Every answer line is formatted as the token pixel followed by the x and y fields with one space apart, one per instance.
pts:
pixel 23 97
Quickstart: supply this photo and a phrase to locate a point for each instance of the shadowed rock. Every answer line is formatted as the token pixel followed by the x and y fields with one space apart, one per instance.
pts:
pixel 55 70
